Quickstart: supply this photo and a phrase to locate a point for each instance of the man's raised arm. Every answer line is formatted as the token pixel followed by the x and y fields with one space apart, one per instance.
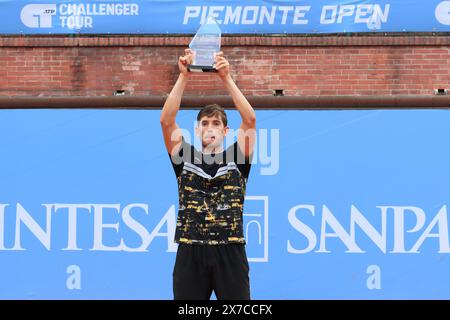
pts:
pixel 247 130
pixel 171 132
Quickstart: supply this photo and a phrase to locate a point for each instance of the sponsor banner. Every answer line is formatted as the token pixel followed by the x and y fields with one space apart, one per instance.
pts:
pixel 339 204
pixel 234 17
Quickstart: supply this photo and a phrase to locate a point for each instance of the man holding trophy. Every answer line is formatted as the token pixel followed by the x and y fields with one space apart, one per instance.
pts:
pixel 211 252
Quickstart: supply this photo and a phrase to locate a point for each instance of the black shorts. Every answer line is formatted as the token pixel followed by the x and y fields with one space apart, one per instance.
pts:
pixel 201 269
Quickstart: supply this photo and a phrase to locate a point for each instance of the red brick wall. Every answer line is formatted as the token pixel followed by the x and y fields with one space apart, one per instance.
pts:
pixel 96 66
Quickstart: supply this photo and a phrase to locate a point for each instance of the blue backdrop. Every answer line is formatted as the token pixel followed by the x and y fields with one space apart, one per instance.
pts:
pixel 349 204
pixel 234 16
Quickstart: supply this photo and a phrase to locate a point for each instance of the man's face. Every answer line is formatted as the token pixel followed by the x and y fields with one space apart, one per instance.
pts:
pixel 212 131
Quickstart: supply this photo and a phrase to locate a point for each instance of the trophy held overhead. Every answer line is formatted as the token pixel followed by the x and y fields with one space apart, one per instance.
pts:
pixel 204 45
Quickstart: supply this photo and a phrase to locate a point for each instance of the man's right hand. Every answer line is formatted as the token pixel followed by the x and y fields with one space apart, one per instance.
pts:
pixel 184 61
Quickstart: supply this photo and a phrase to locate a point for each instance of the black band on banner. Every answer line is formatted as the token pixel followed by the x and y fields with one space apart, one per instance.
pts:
pixel 213 309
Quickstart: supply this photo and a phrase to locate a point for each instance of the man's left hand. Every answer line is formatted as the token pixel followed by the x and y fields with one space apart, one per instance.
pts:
pixel 222 65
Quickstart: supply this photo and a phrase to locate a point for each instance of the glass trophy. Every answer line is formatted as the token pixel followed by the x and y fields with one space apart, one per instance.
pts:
pixel 204 45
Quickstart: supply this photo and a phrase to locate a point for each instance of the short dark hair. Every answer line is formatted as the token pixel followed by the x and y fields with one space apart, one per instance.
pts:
pixel 213 110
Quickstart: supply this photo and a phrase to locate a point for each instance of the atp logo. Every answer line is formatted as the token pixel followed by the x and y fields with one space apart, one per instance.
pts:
pixel 443 12
pixel 38 15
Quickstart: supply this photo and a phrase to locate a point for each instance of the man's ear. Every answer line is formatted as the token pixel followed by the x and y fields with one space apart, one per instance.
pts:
pixel 225 131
